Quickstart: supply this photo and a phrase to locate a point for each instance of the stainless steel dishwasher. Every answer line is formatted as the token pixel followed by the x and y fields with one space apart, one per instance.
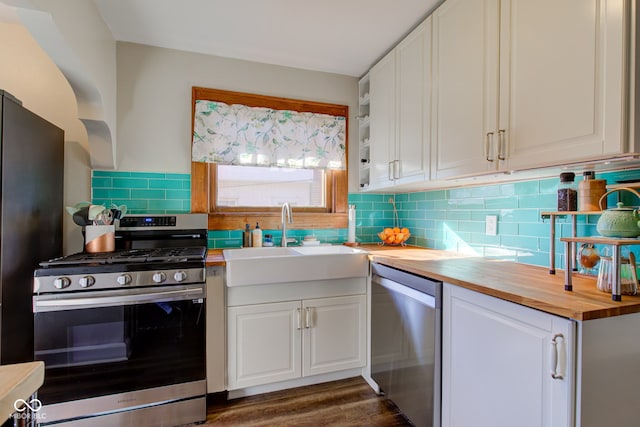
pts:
pixel 406 341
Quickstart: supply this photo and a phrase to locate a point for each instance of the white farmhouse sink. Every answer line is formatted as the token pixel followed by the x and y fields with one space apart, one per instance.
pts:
pixel 325 250
pixel 258 266
pixel 252 253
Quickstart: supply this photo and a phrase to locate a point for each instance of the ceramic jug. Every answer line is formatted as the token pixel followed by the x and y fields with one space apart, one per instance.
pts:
pixel 621 221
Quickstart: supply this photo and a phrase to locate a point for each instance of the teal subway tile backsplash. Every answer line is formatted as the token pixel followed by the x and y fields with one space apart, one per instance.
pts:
pixel 451 219
pixel 143 192
pixel 454 219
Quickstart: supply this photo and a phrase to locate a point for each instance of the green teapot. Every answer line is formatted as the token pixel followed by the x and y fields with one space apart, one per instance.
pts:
pixel 621 221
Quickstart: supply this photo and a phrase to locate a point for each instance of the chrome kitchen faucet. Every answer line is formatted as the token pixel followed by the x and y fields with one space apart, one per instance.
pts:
pixel 286 209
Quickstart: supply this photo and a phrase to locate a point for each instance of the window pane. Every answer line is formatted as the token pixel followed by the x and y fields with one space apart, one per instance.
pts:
pixel 249 186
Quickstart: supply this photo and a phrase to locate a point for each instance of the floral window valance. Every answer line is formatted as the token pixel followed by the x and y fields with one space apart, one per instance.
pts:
pixel 255 136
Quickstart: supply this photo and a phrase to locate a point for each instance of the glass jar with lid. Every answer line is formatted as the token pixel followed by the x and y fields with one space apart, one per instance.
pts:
pixel 567 192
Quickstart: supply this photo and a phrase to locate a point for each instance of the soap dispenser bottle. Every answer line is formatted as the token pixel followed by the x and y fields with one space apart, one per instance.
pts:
pixel 257 236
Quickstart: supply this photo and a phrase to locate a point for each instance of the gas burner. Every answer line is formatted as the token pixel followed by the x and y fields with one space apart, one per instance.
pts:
pixel 130 256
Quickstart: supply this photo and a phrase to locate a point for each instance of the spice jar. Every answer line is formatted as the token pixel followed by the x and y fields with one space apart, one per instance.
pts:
pixel 567 193
pixel 590 190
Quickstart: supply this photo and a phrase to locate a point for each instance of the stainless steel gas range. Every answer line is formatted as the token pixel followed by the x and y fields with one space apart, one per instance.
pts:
pixel 122 334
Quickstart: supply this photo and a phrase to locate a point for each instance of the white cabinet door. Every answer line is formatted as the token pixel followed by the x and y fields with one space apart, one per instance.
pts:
pixel 334 336
pixel 382 127
pixel 561 95
pixel 465 87
pixel 264 344
pixel 498 360
pixel 399 112
pixel 412 144
pixel 520 84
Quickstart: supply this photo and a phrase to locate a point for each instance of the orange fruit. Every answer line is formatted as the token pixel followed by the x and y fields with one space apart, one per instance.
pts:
pixel 396 229
pixel 405 230
pixel 388 231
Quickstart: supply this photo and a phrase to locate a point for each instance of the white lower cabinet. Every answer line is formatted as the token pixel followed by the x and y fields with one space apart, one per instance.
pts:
pixel 281 341
pixel 504 364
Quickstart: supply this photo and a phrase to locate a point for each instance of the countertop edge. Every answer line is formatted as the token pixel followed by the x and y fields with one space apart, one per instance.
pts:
pixel 18 381
pixel 524 284
pixel 540 290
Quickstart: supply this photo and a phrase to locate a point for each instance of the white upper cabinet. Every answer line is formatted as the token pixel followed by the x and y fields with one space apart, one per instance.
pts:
pixel 382 124
pixel 520 84
pixel 399 108
pixel 562 97
pixel 465 87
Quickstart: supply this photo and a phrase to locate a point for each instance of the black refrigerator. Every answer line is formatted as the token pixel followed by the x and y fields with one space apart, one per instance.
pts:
pixel 31 209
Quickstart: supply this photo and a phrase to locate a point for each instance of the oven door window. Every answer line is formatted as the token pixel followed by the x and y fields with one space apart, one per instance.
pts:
pixel 105 350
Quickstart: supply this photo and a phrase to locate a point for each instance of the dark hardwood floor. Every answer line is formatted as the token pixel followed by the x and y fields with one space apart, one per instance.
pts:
pixel 349 402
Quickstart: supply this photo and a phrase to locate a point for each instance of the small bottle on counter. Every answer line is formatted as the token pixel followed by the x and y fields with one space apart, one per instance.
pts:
pixel 256 236
pixel 268 240
pixel 246 237
pixel 567 193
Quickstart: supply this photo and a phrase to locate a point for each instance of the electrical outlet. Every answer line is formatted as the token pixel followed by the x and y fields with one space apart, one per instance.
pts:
pixel 491 225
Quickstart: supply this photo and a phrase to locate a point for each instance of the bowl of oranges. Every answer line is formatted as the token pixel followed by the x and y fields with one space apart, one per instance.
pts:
pixel 394 236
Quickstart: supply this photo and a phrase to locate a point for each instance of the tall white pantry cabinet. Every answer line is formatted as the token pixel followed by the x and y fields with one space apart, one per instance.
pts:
pixel 505 364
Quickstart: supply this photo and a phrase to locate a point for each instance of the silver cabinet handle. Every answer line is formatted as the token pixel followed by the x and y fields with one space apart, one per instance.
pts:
pixel 501 144
pixel 390 171
pixel 299 319
pixel 307 318
pixel 557 358
pixel 488 146
pixel 396 169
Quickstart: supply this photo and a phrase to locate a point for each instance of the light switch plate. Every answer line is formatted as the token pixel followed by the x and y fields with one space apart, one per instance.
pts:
pixel 491 225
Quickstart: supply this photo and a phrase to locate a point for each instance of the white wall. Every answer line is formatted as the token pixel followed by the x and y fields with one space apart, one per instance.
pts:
pixel 154 100
pixel 31 76
pixel 153 104
pixel 78 41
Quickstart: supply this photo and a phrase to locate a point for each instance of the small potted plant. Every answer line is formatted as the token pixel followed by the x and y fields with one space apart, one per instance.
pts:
pixel 97 222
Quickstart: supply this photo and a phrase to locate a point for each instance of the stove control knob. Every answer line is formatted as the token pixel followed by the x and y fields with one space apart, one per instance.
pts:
pixel 159 277
pixel 61 282
pixel 180 276
pixel 123 279
pixel 86 281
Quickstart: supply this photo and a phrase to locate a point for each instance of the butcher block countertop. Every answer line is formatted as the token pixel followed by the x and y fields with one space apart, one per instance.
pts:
pixel 524 284
pixel 18 381
pixel 215 257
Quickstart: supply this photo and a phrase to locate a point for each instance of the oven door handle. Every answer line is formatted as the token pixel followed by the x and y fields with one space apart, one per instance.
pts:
pixel 47 303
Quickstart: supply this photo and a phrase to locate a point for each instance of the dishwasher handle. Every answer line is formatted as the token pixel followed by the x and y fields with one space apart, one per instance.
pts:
pixel 409 283
pixel 425 299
